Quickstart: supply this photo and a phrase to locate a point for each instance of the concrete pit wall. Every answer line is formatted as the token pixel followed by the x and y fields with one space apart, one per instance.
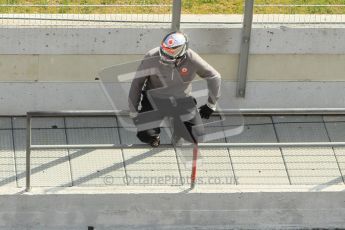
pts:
pixel 263 67
pixel 34 59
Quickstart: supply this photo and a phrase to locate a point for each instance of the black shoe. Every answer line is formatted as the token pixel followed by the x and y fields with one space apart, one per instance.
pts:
pixel 155 142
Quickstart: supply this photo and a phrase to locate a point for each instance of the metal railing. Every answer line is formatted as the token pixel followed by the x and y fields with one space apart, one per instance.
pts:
pixel 30 146
pixel 78 14
pixel 299 14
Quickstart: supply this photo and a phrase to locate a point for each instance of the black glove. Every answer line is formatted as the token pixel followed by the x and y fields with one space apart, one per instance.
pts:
pixel 205 111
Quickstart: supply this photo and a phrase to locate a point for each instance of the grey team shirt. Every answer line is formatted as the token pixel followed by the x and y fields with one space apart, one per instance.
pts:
pixel 166 81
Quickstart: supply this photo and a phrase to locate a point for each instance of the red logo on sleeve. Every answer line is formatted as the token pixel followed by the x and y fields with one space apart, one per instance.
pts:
pixel 184 71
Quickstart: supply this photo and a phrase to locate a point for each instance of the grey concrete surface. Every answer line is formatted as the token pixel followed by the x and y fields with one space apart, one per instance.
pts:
pixel 49 168
pixel 42 123
pixel 7 164
pixel 113 168
pixel 259 188
pixel 149 167
pixel 340 157
pixel 308 165
pixel 256 129
pixel 216 39
pixel 300 129
pixel 312 166
pixel 174 211
pixel 95 167
pixel 335 126
pixel 5 123
pixel 77 96
pixel 259 166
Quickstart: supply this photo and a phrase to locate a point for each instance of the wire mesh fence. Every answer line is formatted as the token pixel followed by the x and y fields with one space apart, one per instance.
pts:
pixel 83 13
pixel 110 12
pixel 292 12
pixel 314 13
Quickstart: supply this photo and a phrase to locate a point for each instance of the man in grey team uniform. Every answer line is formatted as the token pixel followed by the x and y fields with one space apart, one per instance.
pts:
pixel 162 88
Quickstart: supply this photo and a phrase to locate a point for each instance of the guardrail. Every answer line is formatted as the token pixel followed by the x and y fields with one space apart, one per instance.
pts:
pixel 30 147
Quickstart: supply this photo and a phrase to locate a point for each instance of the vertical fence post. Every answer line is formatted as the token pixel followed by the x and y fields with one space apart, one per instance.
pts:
pixel 176 15
pixel 28 153
pixel 244 53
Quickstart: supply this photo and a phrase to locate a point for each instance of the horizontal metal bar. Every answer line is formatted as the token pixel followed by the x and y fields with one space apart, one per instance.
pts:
pixel 90 21
pixel 298 5
pixel 281 111
pixel 91 5
pixel 299 23
pixel 158 5
pixel 158 22
pixel 96 146
pixel 280 144
pixel 76 113
pixel 201 145
pixel 80 20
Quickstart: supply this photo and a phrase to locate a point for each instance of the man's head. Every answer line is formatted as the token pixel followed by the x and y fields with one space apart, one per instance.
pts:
pixel 173 47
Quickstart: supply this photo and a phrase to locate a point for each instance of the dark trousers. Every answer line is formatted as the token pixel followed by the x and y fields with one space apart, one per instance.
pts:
pixel 187 123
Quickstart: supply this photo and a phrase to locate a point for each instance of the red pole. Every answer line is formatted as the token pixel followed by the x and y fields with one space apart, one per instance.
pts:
pixel 195 158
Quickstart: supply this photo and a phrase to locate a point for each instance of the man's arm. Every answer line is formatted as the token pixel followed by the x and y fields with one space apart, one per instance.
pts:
pixel 140 78
pixel 213 84
pixel 207 72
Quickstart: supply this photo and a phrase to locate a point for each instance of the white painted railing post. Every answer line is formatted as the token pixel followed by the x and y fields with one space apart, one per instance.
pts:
pixel 244 53
pixel 176 15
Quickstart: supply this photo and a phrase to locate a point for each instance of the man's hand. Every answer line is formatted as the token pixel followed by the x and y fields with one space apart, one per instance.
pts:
pixel 206 111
